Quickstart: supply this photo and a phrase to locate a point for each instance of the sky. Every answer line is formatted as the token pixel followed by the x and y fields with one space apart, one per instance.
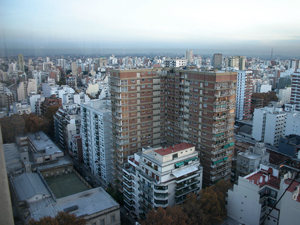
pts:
pixel 254 26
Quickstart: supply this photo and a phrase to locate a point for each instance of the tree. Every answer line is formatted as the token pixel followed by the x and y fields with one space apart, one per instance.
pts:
pixel 158 217
pixel 191 208
pixel 11 127
pixel 211 206
pixel 61 218
pixel 34 123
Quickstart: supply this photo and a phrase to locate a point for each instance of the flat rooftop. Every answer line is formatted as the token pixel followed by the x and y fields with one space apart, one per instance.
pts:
pixel 173 149
pixel 65 184
pixel 42 142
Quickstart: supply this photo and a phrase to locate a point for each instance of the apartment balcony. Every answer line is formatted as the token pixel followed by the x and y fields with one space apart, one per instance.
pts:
pixel 222 87
pixel 220 102
pixel 147 199
pixel 225 169
pixel 159 196
pixel 187 184
pixel 219 124
pixel 190 189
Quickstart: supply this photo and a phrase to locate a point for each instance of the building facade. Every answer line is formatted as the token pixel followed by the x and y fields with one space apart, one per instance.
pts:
pixel 96 138
pixel 295 92
pixel 268 125
pixel 167 107
pixel 243 95
pixel 250 160
pixel 256 194
pixel 160 177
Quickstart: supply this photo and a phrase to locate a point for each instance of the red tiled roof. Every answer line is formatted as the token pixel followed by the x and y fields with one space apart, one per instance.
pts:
pixel 272 181
pixel 171 149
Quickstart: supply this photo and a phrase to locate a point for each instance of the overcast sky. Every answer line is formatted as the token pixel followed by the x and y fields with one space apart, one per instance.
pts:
pixel 213 24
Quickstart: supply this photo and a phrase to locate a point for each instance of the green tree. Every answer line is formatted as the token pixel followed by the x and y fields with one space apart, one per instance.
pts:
pixel 61 218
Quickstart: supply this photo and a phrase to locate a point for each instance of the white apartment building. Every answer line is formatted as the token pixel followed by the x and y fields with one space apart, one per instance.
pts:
pixel 292 123
pixel 295 94
pixel 243 94
pixel 160 177
pixel 66 124
pixel 284 95
pixel 96 133
pixel 256 194
pixel 268 125
pixel 250 160
pixel 26 88
pixel 175 62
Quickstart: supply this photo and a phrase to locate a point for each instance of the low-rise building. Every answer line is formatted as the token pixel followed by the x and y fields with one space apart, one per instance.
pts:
pixel 289 145
pixel 42 148
pixel 160 177
pixel 255 195
pixel 250 160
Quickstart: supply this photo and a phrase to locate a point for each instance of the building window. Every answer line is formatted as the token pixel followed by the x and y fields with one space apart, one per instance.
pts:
pixel 102 222
pixel 206 84
pixel 175 156
pixel 113 218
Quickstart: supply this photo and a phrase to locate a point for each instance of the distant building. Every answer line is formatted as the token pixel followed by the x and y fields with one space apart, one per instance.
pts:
pixel 243 95
pixel 50 102
pixel 21 62
pixel 189 56
pixel 250 160
pixel 289 145
pixel 25 88
pixel 292 123
pixel 284 95
pixel 216 61
pixel 160 177
pixel 268 125
pixel 295 93
pixel 175 62
pixel 256 194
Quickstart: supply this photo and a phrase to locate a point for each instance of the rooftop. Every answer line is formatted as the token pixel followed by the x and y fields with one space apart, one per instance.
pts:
pixel 42 142
pixel 81 204
pixel 173 149
pixel 265 176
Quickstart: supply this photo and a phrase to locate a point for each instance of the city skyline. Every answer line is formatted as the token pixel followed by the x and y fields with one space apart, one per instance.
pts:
pixel 227 27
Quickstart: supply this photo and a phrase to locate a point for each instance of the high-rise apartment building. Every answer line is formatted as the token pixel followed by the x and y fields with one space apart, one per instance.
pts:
pixel 243 95
pixel 156 107
pixel 216 61
pixel 21 62
pixel 295 95
pixel 96 134
pixel 189 56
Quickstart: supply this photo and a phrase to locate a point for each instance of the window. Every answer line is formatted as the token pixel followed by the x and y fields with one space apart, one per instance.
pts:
pixel 206 84
pixel 102 222
pixel 143 86
pixel 132 81
pixel 132 87
pixel 113 218
pixel 175 156
pixel 143 79
pixel 205 105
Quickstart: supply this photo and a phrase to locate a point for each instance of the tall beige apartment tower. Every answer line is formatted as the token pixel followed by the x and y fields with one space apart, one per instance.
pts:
pixel 21 62
pixel 153 107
